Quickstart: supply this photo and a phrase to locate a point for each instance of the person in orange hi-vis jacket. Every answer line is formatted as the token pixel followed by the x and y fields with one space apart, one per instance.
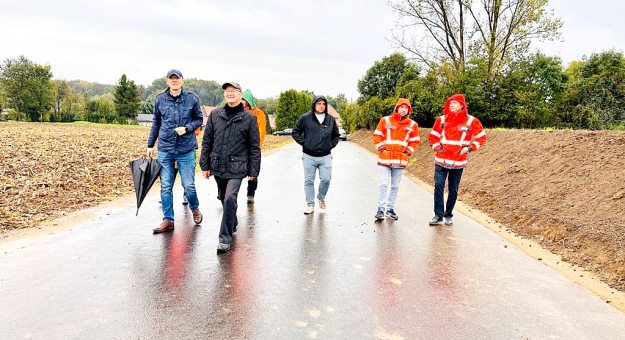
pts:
pixel 250 105
pixel 396 138
pixel 454 135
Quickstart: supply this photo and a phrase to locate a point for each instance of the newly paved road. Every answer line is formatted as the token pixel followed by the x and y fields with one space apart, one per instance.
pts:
pixel 333 275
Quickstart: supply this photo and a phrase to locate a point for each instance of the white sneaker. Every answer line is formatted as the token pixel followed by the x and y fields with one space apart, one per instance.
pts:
pixel 309 209
pixel 322 204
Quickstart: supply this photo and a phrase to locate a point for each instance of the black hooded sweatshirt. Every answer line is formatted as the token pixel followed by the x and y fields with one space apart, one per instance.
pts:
pixel 317 139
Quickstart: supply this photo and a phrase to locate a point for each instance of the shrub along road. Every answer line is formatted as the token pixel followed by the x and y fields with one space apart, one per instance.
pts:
pixel 335 274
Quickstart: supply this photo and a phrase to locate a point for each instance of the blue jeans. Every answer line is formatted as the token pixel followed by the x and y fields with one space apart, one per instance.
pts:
pixel 453 177
pixel 311 164
pixel 186 169
pixel 394 176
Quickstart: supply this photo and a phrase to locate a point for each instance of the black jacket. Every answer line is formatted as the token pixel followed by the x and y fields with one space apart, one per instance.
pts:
pixel 317 139
pixel 231 148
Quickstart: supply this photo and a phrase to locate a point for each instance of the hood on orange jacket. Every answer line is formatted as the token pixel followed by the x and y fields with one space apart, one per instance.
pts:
pixel 400 102
pixel 460 99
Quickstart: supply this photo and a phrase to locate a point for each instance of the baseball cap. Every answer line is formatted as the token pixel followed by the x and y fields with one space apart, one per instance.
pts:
pixel 176 72
pixel 233 84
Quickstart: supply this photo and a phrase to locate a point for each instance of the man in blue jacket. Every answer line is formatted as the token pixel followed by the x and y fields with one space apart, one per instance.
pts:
pixel 316 131
pixel 177 115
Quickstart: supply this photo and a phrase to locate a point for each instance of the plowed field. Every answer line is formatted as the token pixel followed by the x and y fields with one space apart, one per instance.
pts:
pixel 49 170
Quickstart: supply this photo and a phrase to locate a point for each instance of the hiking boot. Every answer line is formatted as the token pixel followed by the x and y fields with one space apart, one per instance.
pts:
pixel 309 209
pixel 250 199
pixel 380 215
pixel 322 204
pixel 197 216
pixel 165 226
pixel 390 213
pixel 448 221
pixel 184 200
pixel 436 220
pixel 223 247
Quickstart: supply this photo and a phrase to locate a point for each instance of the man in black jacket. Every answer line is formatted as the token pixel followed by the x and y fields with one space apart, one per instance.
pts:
pixel 316 131
pixel 230 152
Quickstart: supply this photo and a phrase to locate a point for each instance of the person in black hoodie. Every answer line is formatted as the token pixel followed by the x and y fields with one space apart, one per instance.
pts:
pixel 230 152
pixel 317 132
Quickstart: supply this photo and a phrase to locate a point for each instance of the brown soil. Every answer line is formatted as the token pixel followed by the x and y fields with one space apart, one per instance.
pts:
pixel 50 170
pixel 562 189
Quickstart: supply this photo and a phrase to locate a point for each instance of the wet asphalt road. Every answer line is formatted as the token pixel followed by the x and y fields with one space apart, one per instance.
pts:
pixel 333 275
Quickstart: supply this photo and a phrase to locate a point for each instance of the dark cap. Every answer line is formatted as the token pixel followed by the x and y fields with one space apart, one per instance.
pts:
pixel 174 71
pixel 233 84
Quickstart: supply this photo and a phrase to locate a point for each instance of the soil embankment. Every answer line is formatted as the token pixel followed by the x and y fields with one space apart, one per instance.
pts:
pixel 564 190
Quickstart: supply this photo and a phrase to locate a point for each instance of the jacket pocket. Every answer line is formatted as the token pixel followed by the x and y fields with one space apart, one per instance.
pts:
pixel 214 162
pixel 238 165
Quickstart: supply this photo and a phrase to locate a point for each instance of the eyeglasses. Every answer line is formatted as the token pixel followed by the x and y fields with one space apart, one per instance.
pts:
pixel 231 91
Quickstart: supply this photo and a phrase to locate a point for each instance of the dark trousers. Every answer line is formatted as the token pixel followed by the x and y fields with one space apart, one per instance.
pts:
pixel 251 187
pixel 453 177
pixel 228 193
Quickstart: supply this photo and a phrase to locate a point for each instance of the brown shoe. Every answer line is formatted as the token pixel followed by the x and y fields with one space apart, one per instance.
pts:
pixel 165 226
pixel 197 216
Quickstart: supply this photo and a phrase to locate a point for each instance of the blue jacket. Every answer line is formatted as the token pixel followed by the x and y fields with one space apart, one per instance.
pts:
pixel 170 113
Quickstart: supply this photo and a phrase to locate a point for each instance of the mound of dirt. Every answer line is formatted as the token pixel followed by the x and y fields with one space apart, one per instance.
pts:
pixel 562 189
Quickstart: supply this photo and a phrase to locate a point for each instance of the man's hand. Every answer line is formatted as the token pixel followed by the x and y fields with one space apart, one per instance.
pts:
pixel 181 130
pixel 150 152
pixel 207 174
pixel 251 178
pixel 464 150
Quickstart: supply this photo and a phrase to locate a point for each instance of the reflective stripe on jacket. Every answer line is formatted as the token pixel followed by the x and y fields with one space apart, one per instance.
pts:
pixel 450 134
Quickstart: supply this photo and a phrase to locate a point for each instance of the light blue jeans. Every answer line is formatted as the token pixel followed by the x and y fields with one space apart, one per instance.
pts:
pixel 392 175
pixel 311 164
pixel 186 168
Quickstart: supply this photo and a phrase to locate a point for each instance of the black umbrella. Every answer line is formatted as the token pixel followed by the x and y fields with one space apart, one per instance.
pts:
pixel 144 174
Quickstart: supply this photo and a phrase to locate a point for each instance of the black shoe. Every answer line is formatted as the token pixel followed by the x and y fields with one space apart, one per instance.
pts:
pixel 436 221
pixel 390 213
pixel 223 247
pixel 448 221
pixel 250 199
pixel 184 200
pixel 379 215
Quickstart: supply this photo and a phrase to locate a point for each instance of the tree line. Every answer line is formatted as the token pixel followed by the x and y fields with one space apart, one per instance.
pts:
pixel 482 49
pixel 29 90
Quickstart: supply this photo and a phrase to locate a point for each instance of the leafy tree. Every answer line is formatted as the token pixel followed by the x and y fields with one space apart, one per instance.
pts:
pixel 127 100
pixel 27 87
pixel 382 78
pixel 337 102
pixel 73 106
pixel 457 31
pixel 61 89
pixel 291 105
pixel 596 99
pixel 349 114
pixel 147 107
pixel 101 110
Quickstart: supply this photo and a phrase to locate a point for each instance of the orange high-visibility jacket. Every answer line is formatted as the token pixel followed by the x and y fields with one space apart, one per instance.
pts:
pixel 262 123
pixel 453 131
pixel 397 138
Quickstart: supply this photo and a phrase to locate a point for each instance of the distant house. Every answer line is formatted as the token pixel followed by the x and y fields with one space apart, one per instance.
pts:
pixel 332 111
pixel 145 119
pixel 272 121
pixel 206 111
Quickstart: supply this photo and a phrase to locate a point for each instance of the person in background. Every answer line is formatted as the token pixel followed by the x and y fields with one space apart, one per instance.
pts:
pixel 250 105
pixel 317 132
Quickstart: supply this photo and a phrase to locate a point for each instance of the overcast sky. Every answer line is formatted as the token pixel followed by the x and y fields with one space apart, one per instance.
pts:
pixel 268 46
